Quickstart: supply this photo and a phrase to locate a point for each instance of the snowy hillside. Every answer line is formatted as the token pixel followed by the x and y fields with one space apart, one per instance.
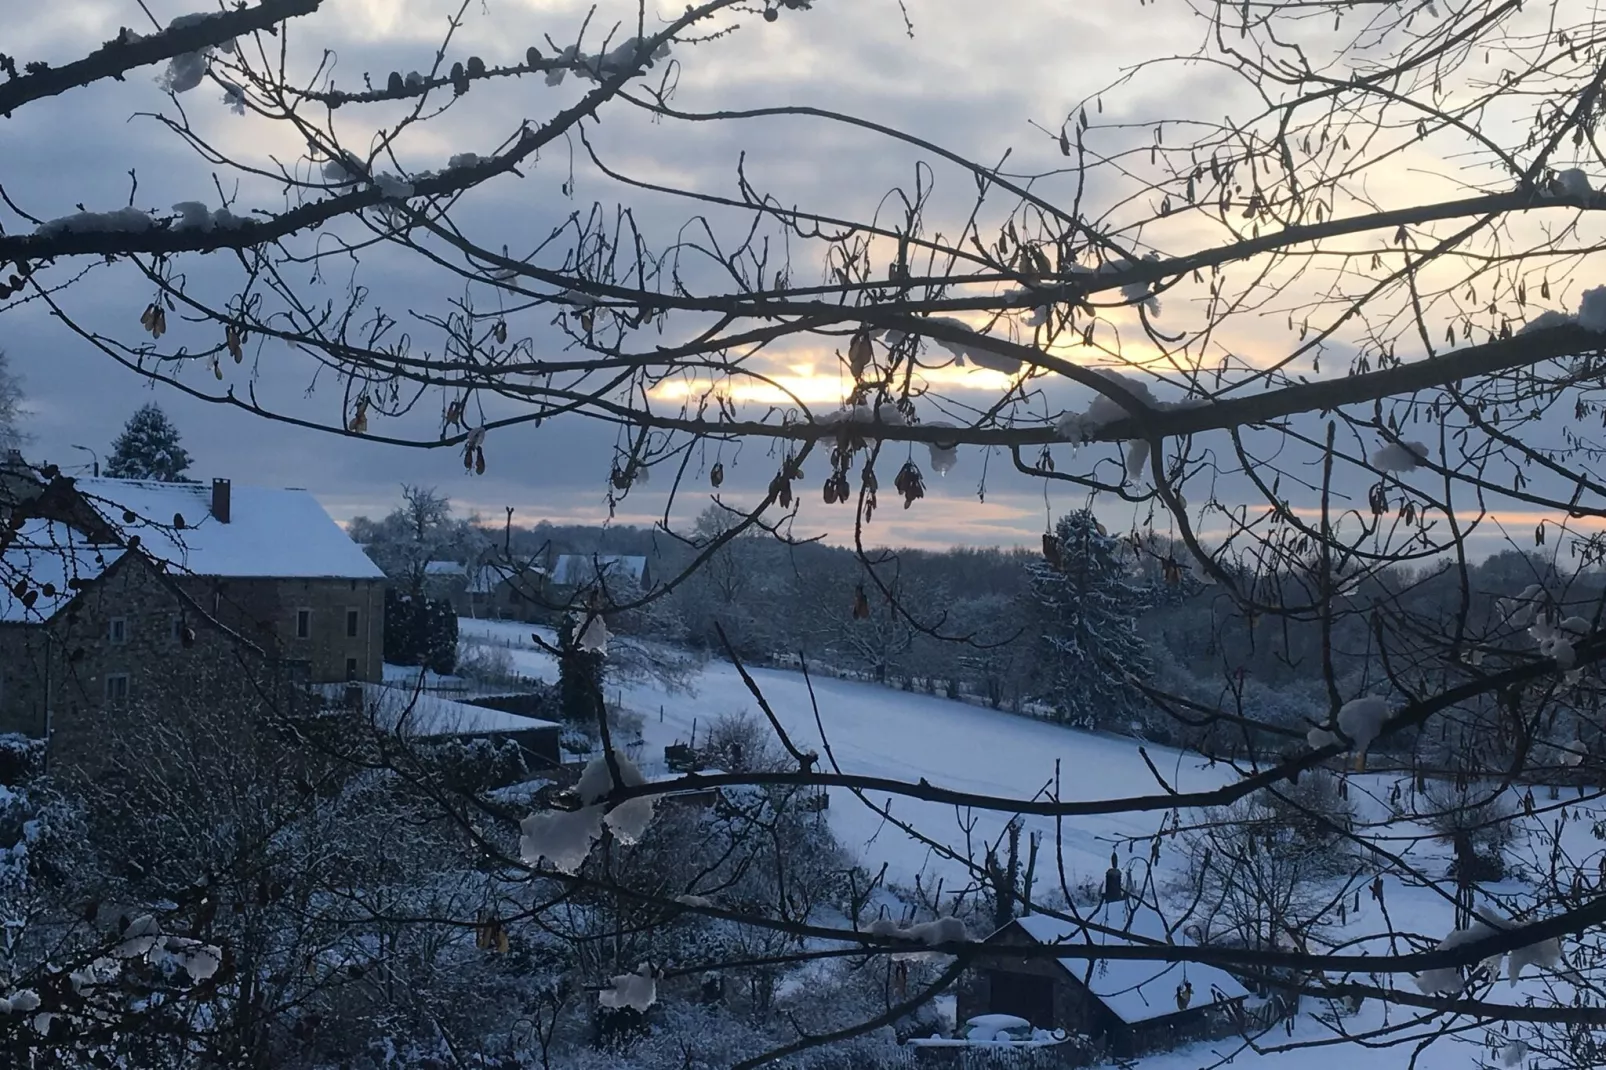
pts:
pixel 883 732
pixel 878 731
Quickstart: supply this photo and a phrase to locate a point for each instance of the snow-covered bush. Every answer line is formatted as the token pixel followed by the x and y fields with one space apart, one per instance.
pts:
pixel 1477 820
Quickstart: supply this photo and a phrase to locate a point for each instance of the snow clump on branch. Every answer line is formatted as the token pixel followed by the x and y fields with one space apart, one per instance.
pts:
pixel 946 930
pixel 1545 321
pixel 1592 309
pixel 637 990
pixel 1555 642
pixel 1519 611
pixel 1513 1052
pixel 1447 980
pixel 1573 183
pixel 122 221
pixel 21 1001
pixel 1399 456
pixel 564 837
pixel 1360 719
pixel 615 61
pixel 193 215
pixel 974 348
pixel 185 71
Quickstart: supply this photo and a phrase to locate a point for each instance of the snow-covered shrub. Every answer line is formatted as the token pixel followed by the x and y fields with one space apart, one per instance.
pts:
pixel 21 759
pixel 739 743
pixel 474 765
pixel 1477 821
pixel 1260 867
pixel 486 664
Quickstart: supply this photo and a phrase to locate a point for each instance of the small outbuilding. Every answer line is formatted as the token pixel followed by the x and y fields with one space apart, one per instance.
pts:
pixel 1128 1007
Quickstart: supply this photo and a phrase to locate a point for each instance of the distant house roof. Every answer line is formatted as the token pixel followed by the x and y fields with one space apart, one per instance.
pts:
pixel 1134 990
pixel 577 570
pixel 271 533
pixel 483 580
pixel 445 568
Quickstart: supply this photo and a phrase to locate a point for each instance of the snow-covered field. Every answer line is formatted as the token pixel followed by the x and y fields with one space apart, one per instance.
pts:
pixel 878 731
pixel 883 732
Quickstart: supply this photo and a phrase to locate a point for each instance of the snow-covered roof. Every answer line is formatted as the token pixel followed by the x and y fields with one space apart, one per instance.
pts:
pixel 575 570
pixel 423 715
pixel 1135 990
pixel 271 533
pixel 445 568
pixel 48 555
pixel 483 580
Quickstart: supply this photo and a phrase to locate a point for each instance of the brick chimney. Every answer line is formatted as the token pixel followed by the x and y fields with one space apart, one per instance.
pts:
pixel 220 500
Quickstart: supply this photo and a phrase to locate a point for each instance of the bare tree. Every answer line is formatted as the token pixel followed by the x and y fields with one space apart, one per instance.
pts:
pixel 1429 394
pixel 12 409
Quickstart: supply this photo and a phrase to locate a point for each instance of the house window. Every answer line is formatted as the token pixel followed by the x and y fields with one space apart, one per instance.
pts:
pixel 117 631
pixel 351 668
pixel 116 686
pixel 303 624
pixel 175 628
pixel 351 624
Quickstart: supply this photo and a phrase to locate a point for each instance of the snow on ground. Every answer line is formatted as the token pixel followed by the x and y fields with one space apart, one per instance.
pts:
pixel 878 731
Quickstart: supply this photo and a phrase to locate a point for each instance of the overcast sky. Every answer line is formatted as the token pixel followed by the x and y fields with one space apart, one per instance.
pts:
pixel 971 77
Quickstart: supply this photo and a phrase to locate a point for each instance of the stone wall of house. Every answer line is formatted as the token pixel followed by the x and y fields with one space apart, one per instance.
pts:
pixel 130 637
pixel 122 634
pixel 269 612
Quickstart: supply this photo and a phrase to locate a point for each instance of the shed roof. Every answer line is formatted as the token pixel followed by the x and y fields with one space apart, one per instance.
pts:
pixel 1134 990
pixel 424 715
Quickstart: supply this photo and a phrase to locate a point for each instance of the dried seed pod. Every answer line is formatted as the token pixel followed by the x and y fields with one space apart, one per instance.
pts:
pixel 500 332
pixel 860 353
pixel 459 79
pixel 476 67
pixel 471 446
pixel 232 338
pixel 394 84
pixel 217 369
pixel 1051 550
pixel 829 491
pixel 781 489
pixel 454 414
pixel 861 604
pixel 910 483
pixel 479 460
pixel 359 419
pixel 716 475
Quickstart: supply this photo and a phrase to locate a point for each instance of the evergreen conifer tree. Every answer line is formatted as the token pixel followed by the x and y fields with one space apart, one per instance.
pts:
pixel 148 448
pixel 1089 605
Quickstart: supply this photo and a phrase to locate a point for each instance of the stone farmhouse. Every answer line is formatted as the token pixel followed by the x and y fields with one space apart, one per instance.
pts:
pixel 112 587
